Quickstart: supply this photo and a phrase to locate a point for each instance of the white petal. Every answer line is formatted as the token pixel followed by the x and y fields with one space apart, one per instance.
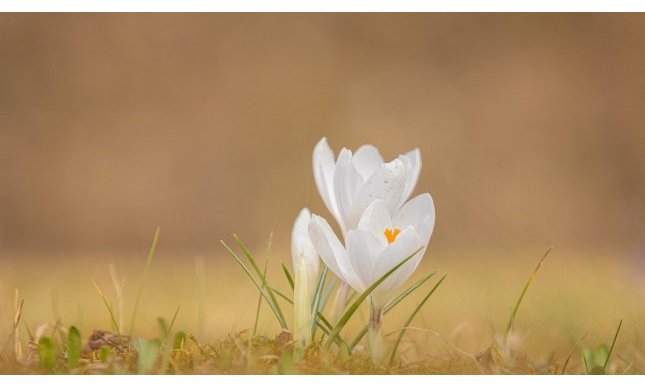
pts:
pixel 412 161
pixel 347 183
pixel 376 218
pixel 324 167
pixel 362 250
pixel 332 251
pixel 418 212
pixel 301 244
pixel 367 160
pixel 386 183
pixel 405 244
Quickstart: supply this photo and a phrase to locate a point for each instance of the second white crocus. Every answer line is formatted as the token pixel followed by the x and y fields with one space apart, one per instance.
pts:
pixel 350 183
pixel 379 242
pixel 306 265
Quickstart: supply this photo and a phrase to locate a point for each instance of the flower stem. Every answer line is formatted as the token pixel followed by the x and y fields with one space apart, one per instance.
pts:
pixel 375 336
pixel 340 301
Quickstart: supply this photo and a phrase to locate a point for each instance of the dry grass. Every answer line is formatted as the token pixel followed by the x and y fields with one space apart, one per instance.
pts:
pixel 460 330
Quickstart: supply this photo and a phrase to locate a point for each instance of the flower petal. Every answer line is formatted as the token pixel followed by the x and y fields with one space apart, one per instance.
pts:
pixel 406 243
pixel 412 161
pixel 376 218
pixel 367 160
pixel 301 243
pixel 362 250
pixel 331 251
pixel 418 212
pixel 386 183
pixel 324 167
pixel 347 183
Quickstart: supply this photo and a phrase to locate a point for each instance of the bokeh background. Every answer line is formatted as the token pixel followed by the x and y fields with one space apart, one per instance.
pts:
pixel 531 128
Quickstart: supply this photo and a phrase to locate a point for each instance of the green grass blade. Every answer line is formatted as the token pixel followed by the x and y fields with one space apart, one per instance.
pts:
pixel 73 347
pixel 511 321
pixel 47 353
pixel 257 309
pixel 315 305
pixel 414 313
pixel 326 293
pixel 260 288
pixel 390 305
pixel 287 274
pixel 174 317
pixel 406 293
pixel 282 295
pixel 259 273
pixel 611 349
pixel 352 309
pixel 573 351
pixel 151 254
pixel 115 325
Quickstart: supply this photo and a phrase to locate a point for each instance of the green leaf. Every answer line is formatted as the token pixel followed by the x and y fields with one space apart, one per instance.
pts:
pixel 104 353
pixel 180 340
pixel 151 254
pixel 262 278
pixel 148 351
pixel 326 293
pixel 511 321
pixel 47 353
pixel 257 309
pixel 115 325
pixel 352 309
pixel 414 313
pixel 388 307
pixel 259 286
pixel 174 318
pixel 315 305
pixel 73 347
pixel 163 327
pixel 287 274
pixel 587 358
pixel 611 349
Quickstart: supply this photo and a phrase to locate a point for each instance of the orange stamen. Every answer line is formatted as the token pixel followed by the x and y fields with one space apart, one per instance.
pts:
pixel 391 235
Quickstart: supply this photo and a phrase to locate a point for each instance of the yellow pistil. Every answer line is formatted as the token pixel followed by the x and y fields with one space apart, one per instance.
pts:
pixel 391 235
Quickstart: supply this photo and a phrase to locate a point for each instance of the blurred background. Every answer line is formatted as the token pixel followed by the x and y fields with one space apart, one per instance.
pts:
pixel 530 128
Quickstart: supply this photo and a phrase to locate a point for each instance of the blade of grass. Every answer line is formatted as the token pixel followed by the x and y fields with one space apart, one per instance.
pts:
pixel 573 351
pixel 257 309
pixel 260 288
pixel 391 305
pixel 288 275
pixel 352 309
pixel 323 323
pixel 611 349
pixel 137 299
pixel 264 274
pixel 414 313
pixel 282 295
pixel 15 332
pixel 315 305
pixel 200 289
pixel 259 273
pixel 115 325
pixel 326 293
pixel 118 289
pixel 174 317
pixel 511 321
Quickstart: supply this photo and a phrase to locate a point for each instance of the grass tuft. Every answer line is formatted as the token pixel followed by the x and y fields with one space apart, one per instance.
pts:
pixel 146 269
pixel 511 321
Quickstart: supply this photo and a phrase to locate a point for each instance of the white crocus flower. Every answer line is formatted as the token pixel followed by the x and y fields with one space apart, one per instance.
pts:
pixel 377 244
pixel 306 265
pixel 349 184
